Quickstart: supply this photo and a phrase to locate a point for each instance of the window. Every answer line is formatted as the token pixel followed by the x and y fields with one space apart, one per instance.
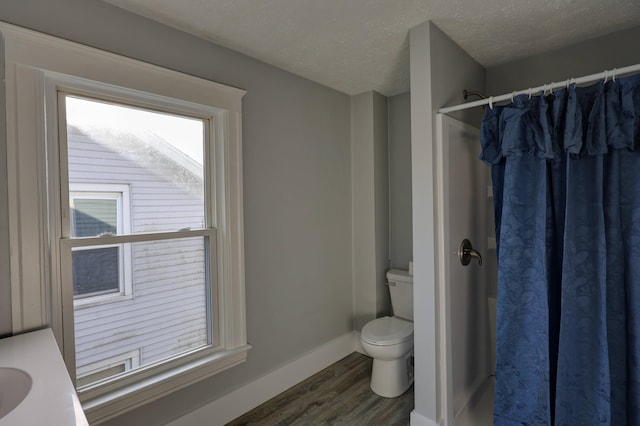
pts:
pixel 103 272
pixel 124 239
pixel 159 160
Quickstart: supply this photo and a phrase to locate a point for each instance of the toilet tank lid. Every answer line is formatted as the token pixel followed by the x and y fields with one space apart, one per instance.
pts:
pixel 398 275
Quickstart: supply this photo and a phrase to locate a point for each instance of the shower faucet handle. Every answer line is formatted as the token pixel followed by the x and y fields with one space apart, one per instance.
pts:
pixel 466 252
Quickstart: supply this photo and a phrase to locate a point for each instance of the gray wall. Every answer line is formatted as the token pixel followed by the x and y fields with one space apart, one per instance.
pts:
pixel 369 169
pixel 5 277
pixel 593 56
pixel 440 69
pixel 452 70
pixel 400 223
pixel 297 199
pixel 381 185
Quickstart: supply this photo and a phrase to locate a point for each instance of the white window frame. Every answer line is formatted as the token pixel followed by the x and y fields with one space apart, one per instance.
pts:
pixel 37 66
pixel 119 192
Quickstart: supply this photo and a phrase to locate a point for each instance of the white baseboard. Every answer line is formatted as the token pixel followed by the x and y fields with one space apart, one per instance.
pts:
pixel 238 402
pixel 359 347
pixel 420 420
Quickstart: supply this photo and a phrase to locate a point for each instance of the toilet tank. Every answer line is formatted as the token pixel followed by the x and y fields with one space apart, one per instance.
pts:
pixel 401 291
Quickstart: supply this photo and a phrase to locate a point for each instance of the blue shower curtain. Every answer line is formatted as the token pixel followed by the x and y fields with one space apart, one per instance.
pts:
pixel 566 182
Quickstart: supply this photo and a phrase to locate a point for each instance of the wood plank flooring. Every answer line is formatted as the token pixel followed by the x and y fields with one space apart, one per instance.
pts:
pixel 338 395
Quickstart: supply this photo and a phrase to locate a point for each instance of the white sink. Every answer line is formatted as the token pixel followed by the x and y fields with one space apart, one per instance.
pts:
pixel 35 388
pixel 15 384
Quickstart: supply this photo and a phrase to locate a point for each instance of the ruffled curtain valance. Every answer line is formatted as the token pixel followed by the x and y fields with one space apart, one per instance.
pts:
pixel 578 121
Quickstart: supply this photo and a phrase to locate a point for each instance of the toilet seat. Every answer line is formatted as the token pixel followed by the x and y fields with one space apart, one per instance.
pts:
pixel 387 331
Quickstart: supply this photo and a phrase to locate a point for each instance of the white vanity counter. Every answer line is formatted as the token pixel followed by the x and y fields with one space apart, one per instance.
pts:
pixel 51 399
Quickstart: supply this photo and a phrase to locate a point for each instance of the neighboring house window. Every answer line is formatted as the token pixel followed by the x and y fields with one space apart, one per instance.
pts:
pixel 125 213
pixel 100 272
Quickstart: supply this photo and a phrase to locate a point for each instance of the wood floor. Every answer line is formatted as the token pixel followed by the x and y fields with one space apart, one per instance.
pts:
pixel 338 395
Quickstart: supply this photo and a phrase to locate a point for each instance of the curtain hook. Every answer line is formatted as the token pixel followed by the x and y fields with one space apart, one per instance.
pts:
pixel 551 88
pixel 513 95
pixel 614 75
pixel 491 102
pixel 606 76
pixel 530 91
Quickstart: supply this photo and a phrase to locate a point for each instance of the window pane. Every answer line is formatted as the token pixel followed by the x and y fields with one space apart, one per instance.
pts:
pixel 167 315
pixel 159 156
pixel 96 271
pixel 94 217
pixel 101 374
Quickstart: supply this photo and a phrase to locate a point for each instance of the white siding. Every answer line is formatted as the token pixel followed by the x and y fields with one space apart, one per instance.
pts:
pixel 167 313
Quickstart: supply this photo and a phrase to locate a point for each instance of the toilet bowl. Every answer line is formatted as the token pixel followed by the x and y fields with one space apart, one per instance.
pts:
pixel 389 340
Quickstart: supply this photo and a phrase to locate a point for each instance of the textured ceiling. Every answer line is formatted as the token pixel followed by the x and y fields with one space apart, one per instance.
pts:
pixel 359 45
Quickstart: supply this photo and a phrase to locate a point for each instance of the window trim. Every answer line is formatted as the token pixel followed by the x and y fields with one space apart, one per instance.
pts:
pixel 36 66
pixel 121 192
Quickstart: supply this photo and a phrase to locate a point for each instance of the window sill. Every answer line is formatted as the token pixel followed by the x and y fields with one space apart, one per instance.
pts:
pixel 113 404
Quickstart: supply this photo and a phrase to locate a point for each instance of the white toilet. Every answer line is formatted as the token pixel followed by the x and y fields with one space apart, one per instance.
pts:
pixel 389 340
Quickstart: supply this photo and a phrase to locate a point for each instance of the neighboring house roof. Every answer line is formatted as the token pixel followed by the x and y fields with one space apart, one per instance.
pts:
pixel 149 150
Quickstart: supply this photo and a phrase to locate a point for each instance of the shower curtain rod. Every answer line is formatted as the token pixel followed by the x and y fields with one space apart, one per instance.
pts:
pixel 582 80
